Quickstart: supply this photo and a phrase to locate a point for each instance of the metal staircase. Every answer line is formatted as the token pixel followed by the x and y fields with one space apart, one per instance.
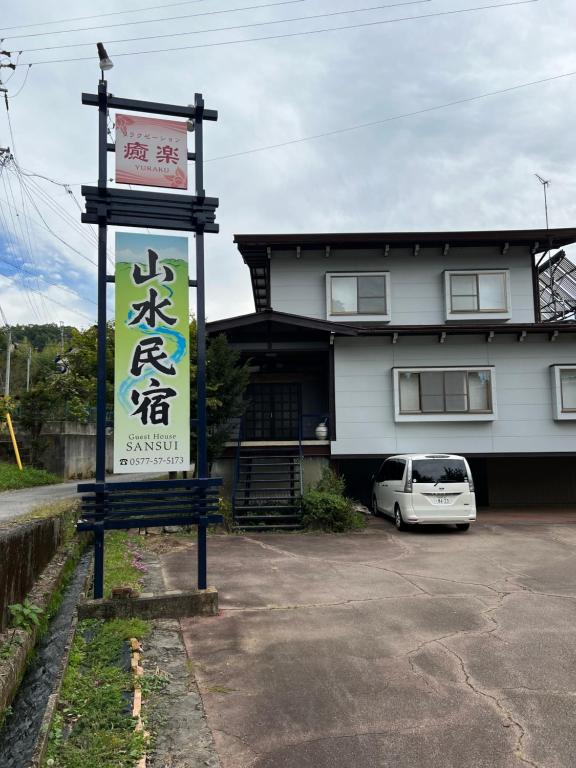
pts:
pixel 268 489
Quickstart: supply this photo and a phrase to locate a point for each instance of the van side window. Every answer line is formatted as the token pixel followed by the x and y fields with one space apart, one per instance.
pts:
pixel 381 473
pixel 397 472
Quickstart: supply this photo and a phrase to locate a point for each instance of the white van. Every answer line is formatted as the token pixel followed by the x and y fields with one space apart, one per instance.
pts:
pixel 425 489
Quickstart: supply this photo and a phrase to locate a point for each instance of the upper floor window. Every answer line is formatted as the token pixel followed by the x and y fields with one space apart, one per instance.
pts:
pixel 477 294
pixel 364 295
pixel 564 391
pixel 451 394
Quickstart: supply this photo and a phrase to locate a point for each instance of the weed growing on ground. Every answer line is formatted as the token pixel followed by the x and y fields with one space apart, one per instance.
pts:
pixel 12 478
pixel 67 509
pixel 153 683
pixel 93 725
pixel 123 566
pixel 23 616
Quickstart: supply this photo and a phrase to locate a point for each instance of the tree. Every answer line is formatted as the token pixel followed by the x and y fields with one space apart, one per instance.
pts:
pixel 71 396
pixel 226 382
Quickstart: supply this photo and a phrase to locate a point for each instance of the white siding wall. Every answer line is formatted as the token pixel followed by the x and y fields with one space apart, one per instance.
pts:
pixel 365 408
pixel 298 286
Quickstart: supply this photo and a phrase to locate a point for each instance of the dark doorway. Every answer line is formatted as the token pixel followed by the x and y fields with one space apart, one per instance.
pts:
pixel 273 412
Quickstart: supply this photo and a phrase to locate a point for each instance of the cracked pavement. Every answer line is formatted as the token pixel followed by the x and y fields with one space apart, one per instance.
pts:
pixel 384 649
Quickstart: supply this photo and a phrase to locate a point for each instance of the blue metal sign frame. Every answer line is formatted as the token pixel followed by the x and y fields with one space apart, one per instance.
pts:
pixel 113 505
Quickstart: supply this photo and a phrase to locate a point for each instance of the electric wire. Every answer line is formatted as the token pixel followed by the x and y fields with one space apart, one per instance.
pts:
pixel 346 12
pixel 27 239
pixel 49 298
pixel 155 21
pixel 46 280
pixel 373 123
pixel 87 234
pixel 392 118
pixel 19 91
pixel 47 227
pixel 20 238
pixel 287 35
pixel 56 208
pixel 13 235
pixel 27 242
pixel 67 187
pixel 100 15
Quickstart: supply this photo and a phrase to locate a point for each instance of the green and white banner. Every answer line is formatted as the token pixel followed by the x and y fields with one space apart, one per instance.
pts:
pixel 152 355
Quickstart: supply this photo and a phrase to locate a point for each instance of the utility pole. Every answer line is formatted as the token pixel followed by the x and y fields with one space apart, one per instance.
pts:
pixel 8 352
pixel 28 368
pixel 8 356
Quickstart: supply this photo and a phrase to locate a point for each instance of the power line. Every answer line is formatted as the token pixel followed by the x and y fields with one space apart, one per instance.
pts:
pixel 23 84
pixel 155 21
pixel 27 243
pixel 100 15
pixel 50 230
pixel 45 280
pixel 292 34
pixel 56 208
pixel 360 126
pixel 19 235
pixel 13 233
pixel 230 28
pixel 390 119
pixel 49 298
pixel 51 202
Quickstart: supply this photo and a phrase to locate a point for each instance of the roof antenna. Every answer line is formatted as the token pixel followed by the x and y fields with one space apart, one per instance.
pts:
pixel 545 183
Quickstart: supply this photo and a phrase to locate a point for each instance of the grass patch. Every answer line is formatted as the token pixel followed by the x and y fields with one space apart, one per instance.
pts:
pixel 67 507
pixel 122 561
pixel 12 478
pixel 93 726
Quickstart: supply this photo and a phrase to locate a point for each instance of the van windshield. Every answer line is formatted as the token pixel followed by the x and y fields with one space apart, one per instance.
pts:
pixel 439 471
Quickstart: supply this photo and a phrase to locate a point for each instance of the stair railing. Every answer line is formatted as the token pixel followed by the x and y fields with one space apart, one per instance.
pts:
pixel 301 453
pixel 237 465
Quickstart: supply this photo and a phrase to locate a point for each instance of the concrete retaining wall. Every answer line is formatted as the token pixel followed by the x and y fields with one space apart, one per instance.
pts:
pixel 68 449
pixel 25 551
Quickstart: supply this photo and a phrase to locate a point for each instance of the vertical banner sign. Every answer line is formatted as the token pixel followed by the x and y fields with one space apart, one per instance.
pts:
pixel 152 355
pixel 151 152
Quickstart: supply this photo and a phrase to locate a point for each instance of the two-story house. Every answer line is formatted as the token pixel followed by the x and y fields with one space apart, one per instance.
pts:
pixel 403 343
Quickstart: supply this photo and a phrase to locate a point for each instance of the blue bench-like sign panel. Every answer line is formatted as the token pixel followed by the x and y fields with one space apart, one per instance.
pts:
pixel 149 504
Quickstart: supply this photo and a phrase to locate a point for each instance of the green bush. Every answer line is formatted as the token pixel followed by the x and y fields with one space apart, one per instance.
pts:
pixel 331 482
pixel 328 511
pixel 225 509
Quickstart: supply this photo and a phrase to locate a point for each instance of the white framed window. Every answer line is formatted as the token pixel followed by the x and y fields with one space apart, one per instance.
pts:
pixel 477 294
pixel 564 391
pixel 444 394
pixel 358 295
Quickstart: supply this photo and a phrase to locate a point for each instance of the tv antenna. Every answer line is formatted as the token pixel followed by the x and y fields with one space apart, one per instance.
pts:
pixel 545 183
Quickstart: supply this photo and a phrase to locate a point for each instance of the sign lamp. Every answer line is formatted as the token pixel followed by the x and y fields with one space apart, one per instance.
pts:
pixel 105 61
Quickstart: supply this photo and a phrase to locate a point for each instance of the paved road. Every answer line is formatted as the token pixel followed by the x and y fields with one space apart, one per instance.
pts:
pixel 432 649
pixel 16 503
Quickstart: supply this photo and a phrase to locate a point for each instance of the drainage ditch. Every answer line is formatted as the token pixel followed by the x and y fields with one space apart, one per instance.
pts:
pixel 22 727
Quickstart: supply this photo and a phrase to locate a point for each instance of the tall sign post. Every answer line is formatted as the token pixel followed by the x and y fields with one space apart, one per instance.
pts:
pixel 151 407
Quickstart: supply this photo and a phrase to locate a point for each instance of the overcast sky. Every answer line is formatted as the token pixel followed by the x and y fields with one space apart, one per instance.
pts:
pixel 469 166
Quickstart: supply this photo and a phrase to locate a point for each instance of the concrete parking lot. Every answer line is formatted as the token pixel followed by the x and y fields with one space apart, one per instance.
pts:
pixel 383 649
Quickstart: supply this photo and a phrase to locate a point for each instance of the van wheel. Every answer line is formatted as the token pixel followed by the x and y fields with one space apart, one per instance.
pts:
pixel 462 526
pixel 375 507
pixel 398 521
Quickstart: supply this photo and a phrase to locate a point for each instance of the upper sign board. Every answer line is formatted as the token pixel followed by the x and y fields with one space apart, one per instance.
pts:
pixel 151 152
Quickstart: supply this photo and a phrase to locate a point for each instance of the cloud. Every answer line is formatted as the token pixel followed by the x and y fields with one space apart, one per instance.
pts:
pixel 466 167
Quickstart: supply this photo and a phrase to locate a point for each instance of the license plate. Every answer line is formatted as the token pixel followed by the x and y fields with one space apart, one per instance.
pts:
pixel 440 500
